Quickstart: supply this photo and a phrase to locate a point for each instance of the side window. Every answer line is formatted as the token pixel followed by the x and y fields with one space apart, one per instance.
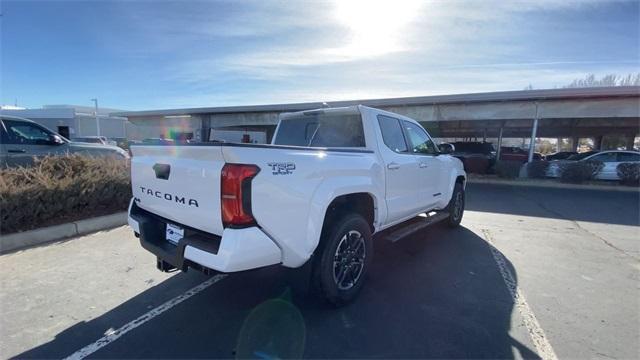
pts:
pixel 420 141
pixel 628 157
pixel 392 133
pixel 24 133
pixel 605 157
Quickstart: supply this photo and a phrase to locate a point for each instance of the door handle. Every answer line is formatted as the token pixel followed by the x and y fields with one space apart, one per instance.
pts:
pixel 393 166
pixel 424 165
pixel 17 151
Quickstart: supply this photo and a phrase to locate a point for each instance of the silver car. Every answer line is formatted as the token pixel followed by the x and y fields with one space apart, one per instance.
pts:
pixel 21 140
pixel 610 159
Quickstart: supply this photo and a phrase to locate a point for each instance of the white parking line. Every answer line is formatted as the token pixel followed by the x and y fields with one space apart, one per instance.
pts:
pixel 543 347
pixel 115 335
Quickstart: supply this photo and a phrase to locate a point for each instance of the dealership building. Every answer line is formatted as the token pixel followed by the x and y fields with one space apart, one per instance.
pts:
pixel 73 121
pixel 571 114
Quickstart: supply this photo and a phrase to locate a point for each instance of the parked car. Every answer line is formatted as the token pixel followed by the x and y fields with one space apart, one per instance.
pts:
pixel 477 157
pixel 514 153
pixel 158 141
pixel 582 155
pixel 120 142
pixel 23 139
pixel 330 179
pixel 91 140
pixel 560 155
pixel 610 159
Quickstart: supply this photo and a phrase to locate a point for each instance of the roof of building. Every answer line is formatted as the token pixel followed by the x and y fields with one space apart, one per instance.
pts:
pixel 59 112
pixel 522 95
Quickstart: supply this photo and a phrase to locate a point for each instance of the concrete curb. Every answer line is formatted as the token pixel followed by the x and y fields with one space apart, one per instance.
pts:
pixel 556 185
pixel 48 234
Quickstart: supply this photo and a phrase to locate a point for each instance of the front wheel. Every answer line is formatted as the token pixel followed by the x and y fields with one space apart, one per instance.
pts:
pixel 456 206
pixel 344 256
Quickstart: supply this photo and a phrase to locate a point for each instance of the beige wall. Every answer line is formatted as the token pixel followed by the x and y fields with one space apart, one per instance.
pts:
pixel 153 127
pixel 109 127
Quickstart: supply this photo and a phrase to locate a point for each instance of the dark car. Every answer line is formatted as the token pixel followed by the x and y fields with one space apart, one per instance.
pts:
pixel 560 155
pixel 582 155
pixel 514 153
pixel 477 157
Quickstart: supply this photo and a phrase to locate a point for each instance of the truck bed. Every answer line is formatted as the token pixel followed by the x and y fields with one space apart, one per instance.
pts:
pixel 182 184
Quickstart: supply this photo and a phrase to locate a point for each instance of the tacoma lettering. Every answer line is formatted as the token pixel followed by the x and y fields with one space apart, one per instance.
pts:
pixel 169 197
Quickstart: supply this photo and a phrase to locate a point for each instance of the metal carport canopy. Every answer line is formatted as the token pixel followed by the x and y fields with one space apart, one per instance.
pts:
pixel 561 112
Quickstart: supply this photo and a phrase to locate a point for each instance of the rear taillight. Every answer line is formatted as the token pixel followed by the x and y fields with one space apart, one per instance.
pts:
pixel 235 193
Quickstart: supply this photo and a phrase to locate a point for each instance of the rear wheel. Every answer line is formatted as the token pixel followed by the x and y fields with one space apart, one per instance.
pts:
pixel 344 256
pixel 456 206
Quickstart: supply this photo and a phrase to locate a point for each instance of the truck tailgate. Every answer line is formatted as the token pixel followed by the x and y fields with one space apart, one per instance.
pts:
pixel 180 183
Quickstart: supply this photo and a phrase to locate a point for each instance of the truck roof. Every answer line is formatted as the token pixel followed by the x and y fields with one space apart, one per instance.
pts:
pixel 353 109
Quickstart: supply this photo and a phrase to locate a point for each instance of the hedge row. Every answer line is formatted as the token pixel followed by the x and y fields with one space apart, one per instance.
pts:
pixel 629 173
pixel 579 171
pixel 62 187
pixel 508 169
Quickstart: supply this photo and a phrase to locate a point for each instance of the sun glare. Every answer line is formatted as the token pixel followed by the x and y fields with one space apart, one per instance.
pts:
pixel 374 26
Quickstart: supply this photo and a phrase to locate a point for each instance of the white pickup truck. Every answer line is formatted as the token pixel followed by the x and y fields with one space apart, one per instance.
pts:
pixel 331 178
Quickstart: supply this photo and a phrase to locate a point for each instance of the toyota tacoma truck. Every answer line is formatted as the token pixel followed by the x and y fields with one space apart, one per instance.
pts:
pixel 329 180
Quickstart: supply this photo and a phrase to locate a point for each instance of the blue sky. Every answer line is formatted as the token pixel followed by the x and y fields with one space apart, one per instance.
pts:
pixel 139 55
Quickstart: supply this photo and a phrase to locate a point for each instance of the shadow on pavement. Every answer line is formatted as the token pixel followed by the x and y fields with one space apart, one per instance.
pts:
pixel 436 294
pixel 600 206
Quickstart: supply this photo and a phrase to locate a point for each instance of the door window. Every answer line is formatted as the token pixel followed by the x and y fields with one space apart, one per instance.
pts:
pixel 24 133
pixel 392 134
pixel 420 141
pixel 628 157
pixel 605 157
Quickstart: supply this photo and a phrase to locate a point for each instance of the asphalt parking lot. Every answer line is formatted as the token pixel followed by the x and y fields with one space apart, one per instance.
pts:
pixel 532 273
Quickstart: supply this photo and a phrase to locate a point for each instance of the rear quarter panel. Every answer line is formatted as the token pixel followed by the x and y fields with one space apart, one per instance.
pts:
pixel 452 169
pixel 290 205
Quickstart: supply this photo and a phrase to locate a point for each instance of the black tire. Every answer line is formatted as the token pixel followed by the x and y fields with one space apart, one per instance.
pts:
pixel 455 208
pixel 339 275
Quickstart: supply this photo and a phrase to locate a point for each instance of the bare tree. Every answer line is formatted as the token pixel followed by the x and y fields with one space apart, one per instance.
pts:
pixel 607 80
pixel 630 80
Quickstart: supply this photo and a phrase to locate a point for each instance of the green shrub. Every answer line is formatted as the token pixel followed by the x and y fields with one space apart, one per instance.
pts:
pixel 537 169
pixel 62 187
pixel 508 169
pixel 629 173
pixel 579 171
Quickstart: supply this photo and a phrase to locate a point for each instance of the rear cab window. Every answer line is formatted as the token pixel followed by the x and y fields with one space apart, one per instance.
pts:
pixel 318 129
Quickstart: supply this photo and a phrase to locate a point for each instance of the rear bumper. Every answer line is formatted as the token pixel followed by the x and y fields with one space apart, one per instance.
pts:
pixel 235 250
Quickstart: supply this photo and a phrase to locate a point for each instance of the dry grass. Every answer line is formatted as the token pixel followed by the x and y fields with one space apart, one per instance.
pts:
pixel 62 188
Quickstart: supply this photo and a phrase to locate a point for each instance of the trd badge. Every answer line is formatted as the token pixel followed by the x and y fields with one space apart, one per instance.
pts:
pixel 282 168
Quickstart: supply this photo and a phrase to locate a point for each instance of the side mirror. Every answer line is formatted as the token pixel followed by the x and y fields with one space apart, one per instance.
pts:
pixel 56 140
pixel 446 148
